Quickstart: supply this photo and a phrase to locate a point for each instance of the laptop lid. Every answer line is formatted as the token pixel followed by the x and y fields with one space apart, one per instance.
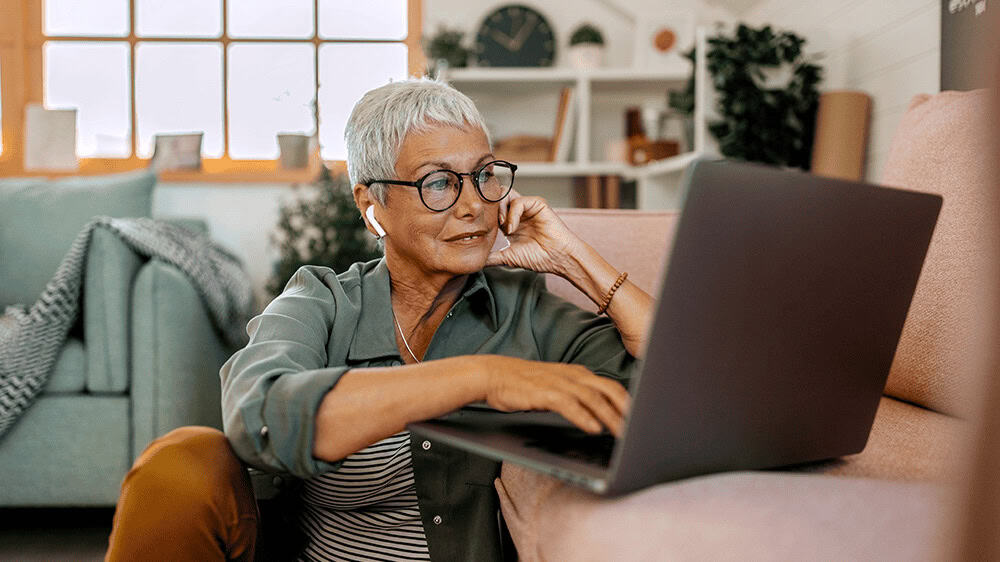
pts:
pixel 778 318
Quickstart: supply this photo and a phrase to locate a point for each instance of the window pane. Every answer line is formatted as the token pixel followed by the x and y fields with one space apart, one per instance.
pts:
pixel 178 18
pixel 267 18
pixel 92 77
pixel 271 88
pixel 178 89
pixel 370 19
pixel 93 17
pixel 346 72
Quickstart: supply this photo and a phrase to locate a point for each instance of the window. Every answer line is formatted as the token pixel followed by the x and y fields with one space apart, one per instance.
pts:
pixel 239 71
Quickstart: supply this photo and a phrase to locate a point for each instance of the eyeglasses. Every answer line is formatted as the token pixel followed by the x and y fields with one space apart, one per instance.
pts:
pixel 440 189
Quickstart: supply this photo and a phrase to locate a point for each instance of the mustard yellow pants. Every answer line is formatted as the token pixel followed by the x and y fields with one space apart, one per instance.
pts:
pixel 187 497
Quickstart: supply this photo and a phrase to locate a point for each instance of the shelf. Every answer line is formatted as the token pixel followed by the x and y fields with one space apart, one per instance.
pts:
pixel 557 75
pixel 659 167
pixel 571 169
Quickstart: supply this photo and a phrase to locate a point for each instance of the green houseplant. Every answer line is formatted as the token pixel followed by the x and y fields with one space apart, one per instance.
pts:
pixel 586 34
pixel 767 95
pixel 320 226
pixel 586 47
pixel 445 50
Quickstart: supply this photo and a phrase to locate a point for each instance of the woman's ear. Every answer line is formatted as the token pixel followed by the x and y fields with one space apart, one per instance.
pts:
pixel 364 202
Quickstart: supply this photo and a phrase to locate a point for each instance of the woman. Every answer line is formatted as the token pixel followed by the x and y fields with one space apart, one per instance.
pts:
pixel 338 364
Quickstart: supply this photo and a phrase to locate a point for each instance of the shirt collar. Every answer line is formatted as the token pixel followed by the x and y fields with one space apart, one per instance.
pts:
pixel 376 336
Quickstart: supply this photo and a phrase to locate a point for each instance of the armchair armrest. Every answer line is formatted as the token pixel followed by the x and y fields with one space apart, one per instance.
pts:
pixel 176 356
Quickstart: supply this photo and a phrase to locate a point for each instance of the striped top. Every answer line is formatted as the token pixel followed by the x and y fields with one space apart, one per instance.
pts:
pixel 367 508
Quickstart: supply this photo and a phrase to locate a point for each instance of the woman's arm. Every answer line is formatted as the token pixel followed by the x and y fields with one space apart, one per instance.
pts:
pixel 541 242
pixel 368 405
pixel 630 307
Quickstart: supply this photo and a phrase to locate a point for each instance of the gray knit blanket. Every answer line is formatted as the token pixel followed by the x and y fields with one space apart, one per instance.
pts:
pixel 30 338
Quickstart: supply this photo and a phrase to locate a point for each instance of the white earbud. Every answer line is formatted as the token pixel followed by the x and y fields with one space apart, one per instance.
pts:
pixel 370 213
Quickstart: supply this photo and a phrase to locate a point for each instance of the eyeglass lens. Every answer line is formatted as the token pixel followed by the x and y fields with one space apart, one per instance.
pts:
pixel 441 189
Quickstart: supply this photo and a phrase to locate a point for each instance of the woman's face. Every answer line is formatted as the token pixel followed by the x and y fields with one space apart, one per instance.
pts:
pixel 455 241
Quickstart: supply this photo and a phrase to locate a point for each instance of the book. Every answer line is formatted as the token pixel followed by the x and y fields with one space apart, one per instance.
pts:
pixel 562 135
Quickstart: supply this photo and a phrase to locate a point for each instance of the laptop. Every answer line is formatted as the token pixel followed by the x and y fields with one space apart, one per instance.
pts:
pixel 777 319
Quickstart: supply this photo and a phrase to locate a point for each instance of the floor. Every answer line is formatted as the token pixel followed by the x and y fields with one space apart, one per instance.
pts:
pixel 37 534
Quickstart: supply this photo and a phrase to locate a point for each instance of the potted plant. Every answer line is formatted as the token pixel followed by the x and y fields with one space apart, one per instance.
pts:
pixel 445 50
pixel 766 95
pixel 586 47
pixel 320 226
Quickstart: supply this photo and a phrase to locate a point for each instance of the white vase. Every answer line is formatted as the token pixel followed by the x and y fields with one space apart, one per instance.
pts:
pixel 294 150
pixel 586 56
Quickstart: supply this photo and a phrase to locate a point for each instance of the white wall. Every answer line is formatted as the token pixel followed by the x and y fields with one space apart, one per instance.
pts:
pixel 887 48
pixel 240 218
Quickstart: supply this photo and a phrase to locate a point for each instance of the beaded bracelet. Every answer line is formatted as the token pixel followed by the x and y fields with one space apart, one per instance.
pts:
pixel 611 293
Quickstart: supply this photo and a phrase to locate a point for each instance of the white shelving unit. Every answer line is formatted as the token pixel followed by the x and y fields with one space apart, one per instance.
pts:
pixel 519 101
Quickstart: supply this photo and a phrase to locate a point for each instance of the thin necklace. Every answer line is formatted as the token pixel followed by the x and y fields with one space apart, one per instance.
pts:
pixel 404 339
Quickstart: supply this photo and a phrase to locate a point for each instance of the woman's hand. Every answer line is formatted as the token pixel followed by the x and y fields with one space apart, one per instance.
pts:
pixel 539 240
pixel 588 401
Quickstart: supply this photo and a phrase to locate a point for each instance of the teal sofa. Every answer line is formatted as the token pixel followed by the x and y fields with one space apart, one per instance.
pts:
pixel 142 359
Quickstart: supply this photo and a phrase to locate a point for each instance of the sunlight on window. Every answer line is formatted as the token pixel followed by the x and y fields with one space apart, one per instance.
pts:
pixel 258 67
pixel 346 72
pixel 271 87
pixel 370 19
pixel 178 89
pixel 289 19
pixel 94 78
pixel 93 17
pixel 178 18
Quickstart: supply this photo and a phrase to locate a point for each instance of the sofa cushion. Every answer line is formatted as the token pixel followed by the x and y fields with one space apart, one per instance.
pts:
pixel 941 146
pixel 69 374
pixel 67 450
pixel 632 241
pixel 40 219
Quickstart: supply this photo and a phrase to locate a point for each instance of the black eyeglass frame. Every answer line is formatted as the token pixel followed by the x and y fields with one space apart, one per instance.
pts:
pixel 461 183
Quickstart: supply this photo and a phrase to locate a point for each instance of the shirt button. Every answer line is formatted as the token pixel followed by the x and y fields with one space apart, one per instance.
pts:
pixel 277 481
pixel 395 363
pixel 449 315
pixel 263 431
pixel 437 519
pixel 426 445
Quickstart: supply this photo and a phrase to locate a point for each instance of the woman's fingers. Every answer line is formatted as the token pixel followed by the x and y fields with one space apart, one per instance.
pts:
pixel 567 405
pixel 520 209
pixel 601 408
pixel 611 389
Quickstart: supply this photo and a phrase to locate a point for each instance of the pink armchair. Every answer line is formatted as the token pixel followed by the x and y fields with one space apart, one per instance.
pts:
pixel 892 501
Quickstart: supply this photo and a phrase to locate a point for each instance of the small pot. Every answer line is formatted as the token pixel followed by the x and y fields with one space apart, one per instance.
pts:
pixel 586 56
pixel 294 149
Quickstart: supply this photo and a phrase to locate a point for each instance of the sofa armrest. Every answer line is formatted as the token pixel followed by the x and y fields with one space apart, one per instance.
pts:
pixel 111 268
pixel 176 356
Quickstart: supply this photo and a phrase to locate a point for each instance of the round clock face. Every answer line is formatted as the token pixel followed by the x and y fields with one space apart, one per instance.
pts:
pixel 515 35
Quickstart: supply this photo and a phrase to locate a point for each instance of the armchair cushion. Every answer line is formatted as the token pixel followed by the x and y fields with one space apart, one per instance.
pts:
pixel 40 219
pixel 632 241
pixel 728 516
pixel 942 146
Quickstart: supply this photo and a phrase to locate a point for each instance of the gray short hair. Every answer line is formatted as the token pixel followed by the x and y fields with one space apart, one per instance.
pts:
pixel 383 116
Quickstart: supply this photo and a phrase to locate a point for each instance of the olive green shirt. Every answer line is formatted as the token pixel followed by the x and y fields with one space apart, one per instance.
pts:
pixel 324 324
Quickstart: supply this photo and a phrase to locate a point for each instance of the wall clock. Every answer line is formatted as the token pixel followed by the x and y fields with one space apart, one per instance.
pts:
pixel 515 35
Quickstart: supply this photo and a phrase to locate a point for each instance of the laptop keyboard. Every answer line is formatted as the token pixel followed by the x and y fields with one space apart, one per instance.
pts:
pixel 575 444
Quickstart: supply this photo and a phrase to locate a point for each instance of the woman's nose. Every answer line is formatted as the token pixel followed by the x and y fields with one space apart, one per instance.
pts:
pixel 469 201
